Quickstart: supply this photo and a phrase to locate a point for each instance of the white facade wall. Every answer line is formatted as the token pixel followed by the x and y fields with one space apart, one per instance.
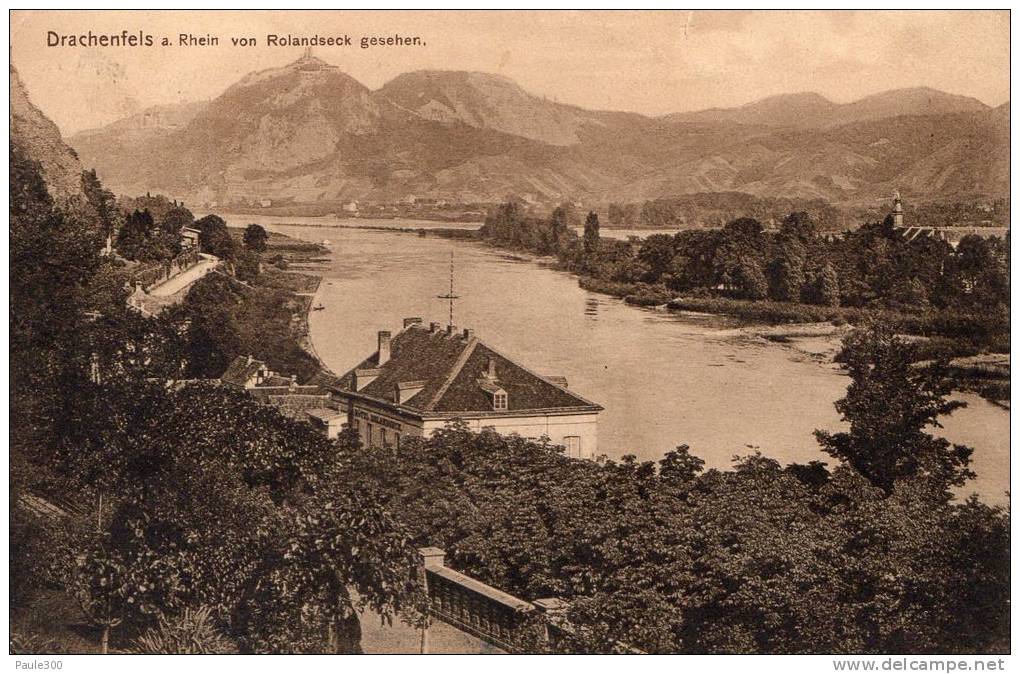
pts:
pixel 378 426
pixel 577 432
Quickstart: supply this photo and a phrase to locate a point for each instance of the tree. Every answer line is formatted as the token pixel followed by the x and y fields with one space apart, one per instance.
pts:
pixel 54 257
pixel 560 229
pixel 140 239
pixel 740 256
pixel 824 289
pixel 749 280
pixel 656 253
pixel 214 237
pixel 213 333
pixel 799 226
pixel 221 502
pixel 255 238
pixel 889 405
pixel 247 265
pixel 104 203
pixel 591 236
pixel 692 265
pixel 786 272
pixel 615 214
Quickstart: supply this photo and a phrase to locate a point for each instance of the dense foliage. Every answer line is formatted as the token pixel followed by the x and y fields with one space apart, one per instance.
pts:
pixel 961 292
pixel 889 406
pixel 226 319
pixel 214 500
pixel 172 497
pixel 255 238
pixel 714 209
pixel 666 557
pixel 214 237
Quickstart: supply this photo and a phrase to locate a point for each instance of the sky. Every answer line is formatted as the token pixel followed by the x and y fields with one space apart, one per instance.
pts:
pixel 651 62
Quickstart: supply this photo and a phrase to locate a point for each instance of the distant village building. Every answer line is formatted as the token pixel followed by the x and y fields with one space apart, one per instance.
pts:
pixel 304 402
pixel 189 237
pixel 350 207
pixel 245 372
pixel 265 203
pixel 897 211
pixel 426 376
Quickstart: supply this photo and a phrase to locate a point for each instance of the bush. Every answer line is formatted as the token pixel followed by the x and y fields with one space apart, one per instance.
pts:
pixel 648 296
pixel 613 288
pixel 190 633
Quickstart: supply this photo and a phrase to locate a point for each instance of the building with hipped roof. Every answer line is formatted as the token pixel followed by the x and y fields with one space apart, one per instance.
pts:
pixel 423 377
pixel 304 402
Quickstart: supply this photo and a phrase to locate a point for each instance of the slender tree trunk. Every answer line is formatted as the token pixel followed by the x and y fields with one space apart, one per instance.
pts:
pixel 348 636
pixel 104 640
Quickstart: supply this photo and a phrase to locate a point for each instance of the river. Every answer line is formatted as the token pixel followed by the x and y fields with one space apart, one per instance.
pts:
pixel 664 378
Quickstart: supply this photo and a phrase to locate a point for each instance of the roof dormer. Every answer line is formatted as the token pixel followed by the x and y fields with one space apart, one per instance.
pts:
pixel 364 376
pixel 409 389
pixel 497 394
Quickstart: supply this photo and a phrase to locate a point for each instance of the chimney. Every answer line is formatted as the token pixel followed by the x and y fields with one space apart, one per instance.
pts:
pixel 384 347
pixel 469 334
pixel 433 327
pixel 491 374
pixel 451 330
pixel 408 322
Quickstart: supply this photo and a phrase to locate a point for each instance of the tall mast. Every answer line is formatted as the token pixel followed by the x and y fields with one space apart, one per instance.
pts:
pixel 450 296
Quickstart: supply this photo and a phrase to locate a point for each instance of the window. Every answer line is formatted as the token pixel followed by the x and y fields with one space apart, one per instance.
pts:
pixel 499 400
pixel 382 435
pixel 573 446
pixel 368 436
pixel 397 441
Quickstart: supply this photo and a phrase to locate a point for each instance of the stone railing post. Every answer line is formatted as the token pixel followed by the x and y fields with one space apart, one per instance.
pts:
pixel 430 558
pixel 552 610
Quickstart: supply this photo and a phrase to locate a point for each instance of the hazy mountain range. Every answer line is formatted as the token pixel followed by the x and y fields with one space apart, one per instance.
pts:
pixel 308 132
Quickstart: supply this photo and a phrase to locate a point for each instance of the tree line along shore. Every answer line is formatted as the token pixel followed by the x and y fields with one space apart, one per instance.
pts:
pixel 953 302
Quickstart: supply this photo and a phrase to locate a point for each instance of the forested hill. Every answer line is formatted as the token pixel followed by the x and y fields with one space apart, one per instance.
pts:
pixel 307 132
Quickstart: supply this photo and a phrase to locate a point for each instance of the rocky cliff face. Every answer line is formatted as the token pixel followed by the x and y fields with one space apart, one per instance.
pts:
pixel 307 132
pixel 39 138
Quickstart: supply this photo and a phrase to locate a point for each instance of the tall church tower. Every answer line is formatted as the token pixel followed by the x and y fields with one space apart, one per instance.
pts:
pixel 897 210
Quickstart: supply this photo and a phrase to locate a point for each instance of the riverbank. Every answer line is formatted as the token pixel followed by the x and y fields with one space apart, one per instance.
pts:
pixel 816 331
pixel 276 306
pixel 299 267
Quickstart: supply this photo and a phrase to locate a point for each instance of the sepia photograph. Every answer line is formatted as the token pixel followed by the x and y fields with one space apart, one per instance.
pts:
pixel 557 332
